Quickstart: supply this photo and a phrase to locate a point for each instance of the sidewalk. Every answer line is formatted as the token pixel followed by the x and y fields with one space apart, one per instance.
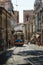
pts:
pixel 35 47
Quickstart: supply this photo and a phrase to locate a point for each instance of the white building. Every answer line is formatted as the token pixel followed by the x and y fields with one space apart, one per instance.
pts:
pixel 38 5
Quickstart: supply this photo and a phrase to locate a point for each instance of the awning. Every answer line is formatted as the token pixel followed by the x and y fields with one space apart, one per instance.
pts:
pixel 32 38
pixel 34 35
pixel 37 35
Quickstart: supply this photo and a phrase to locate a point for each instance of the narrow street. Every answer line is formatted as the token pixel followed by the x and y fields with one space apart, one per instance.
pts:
pixel 26 55
pixel 21 23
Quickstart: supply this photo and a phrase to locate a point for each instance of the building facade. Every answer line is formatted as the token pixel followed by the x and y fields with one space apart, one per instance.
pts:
pixel 5 26
pixel 28 15
pixel 38 7
pixel 28 19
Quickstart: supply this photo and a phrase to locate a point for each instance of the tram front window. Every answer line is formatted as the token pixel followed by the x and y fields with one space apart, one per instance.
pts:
pixel 19 40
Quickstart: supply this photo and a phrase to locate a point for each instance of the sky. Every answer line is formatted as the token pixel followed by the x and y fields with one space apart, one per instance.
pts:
pixel 21 5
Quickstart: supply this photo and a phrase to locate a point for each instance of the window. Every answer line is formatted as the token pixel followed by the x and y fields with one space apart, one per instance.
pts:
pixel 27 18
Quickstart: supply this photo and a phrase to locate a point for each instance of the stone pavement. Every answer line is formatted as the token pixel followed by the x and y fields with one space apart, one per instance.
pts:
pixel 26 55
pixel 35 47
pixel 30 47
pixel 35 55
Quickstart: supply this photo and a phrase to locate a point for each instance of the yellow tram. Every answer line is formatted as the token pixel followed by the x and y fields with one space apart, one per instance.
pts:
pixel 18 38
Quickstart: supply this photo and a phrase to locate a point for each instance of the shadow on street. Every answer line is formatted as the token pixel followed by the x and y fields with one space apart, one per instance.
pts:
pixel 35 60
pixel 35 56
pixel 5 56
pixel 25 64
pixel 31 52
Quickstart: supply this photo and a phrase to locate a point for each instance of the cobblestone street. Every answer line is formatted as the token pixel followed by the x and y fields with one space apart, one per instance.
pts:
pixel 27 55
